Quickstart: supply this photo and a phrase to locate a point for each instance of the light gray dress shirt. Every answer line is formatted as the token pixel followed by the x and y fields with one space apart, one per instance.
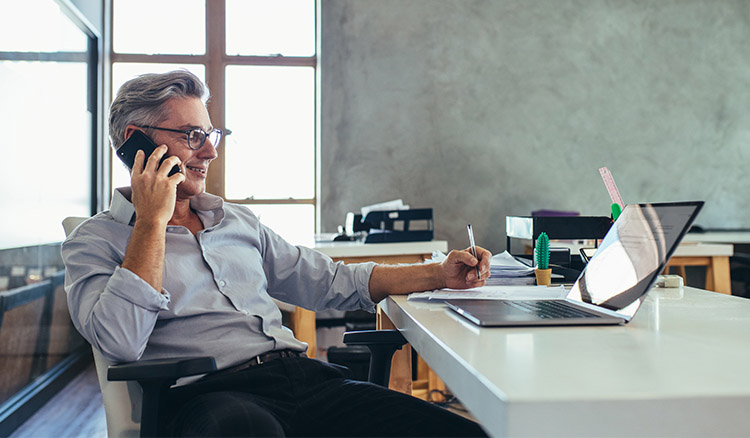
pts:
pixel 217 286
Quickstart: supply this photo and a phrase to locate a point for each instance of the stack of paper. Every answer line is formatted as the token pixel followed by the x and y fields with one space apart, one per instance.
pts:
pixel 396 204
pixel 505 269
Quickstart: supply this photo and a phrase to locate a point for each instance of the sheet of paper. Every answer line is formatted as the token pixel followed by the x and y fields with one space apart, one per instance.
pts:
pixel 505 265
pixel 506 261
pixel 396 204
pixel 493 293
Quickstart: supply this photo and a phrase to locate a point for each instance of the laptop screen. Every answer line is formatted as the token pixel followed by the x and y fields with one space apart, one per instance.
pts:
pixel 632 254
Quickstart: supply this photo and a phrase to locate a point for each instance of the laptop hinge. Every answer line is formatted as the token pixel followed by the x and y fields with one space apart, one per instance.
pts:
pixel 598 309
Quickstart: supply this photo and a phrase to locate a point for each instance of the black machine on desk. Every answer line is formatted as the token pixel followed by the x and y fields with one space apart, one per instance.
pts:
pixel 557 228
pixel 414 225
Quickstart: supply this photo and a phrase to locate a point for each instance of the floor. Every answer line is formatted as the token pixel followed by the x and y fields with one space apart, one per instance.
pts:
pixel 75 411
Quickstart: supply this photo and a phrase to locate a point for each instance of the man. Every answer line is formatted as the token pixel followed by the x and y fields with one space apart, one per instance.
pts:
pixel 171 271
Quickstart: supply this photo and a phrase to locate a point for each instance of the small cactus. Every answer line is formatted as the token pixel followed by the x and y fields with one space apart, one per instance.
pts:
pixel 542 251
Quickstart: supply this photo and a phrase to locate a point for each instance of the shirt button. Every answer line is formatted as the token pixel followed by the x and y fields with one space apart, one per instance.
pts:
pixel 246 312
pixel 222 283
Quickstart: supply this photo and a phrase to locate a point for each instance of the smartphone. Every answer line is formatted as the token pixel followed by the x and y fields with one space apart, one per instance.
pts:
pixel 139 140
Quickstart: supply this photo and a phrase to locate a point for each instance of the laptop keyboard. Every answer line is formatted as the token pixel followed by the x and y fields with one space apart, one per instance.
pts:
pixel 550 309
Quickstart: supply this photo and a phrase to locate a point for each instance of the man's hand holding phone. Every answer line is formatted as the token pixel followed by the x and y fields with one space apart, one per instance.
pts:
pixel 154 191
pixel 154 194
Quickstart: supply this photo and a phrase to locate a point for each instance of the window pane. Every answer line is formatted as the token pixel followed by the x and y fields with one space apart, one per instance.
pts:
pixel 295 223
pixel 46 171
pixel 159 26
pixel 49 30
pixel 271 112
pixel 262 27
pixel 124 71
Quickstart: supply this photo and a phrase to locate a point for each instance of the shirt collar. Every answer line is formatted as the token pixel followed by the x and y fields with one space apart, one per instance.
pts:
pixel 123 211
pixel 121 208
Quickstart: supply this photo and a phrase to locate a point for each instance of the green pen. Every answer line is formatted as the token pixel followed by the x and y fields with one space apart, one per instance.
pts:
pixel 616 210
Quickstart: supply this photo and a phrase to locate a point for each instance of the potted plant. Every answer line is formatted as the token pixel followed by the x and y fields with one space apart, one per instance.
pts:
pixel 542 271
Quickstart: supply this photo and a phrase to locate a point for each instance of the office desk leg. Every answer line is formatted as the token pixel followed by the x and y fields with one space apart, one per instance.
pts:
pixel 718 275
pixel 401 364
pixel 303 326
pixel 436 384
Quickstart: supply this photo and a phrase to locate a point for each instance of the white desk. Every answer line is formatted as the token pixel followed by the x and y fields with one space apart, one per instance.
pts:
pixel 417 251
pixel 678 369
pixel 733 237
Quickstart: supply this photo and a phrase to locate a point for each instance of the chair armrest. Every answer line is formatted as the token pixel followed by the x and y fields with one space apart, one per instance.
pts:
pixel 155 377
pixel 161 369
pixel 382 345
pixel 375 337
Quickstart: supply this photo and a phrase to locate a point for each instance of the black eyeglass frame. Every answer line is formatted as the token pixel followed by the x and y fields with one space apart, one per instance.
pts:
pixel 222 133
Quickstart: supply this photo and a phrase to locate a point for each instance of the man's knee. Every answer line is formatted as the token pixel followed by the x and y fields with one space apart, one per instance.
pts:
pixel 225 414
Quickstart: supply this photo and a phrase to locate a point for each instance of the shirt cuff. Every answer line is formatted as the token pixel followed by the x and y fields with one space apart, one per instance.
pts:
pixel 362 274
pixel 130 287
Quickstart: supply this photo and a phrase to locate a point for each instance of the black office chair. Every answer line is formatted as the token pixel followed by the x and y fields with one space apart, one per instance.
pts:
pixel 156 376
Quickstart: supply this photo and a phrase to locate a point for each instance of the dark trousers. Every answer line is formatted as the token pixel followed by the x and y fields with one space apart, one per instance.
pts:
pixel 302 397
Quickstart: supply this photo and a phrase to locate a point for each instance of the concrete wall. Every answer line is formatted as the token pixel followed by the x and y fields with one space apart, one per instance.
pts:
pixel 482 109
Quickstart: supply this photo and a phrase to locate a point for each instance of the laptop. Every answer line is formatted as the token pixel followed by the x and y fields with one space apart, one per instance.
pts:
pixel 615 281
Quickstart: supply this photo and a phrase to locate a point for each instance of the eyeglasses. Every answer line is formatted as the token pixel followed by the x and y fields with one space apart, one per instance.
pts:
pixel 196 136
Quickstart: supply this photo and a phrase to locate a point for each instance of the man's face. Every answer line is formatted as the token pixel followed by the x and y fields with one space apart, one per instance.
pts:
pixel 186 114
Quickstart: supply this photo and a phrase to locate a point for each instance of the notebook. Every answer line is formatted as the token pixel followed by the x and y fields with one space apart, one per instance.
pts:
pixel 613 284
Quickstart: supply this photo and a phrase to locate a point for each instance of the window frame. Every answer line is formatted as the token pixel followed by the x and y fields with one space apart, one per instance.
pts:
pixel 215 61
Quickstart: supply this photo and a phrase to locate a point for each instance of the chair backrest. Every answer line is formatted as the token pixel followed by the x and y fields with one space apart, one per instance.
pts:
pixel 122 400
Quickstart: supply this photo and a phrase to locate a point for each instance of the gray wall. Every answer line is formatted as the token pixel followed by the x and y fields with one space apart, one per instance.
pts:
pixel 482 109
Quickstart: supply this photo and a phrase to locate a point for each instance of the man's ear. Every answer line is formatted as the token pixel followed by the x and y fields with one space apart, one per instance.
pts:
pixel 129 131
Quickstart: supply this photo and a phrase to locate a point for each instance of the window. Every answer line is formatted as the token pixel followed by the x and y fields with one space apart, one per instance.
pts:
pixel 49 88
pixel 259 60
pixel 140 27
pixel 49 110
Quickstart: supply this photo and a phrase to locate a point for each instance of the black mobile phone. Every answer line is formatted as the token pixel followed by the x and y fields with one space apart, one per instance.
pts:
pixel 139 140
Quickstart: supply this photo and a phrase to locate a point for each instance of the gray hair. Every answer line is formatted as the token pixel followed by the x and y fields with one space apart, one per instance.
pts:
pixel 141 100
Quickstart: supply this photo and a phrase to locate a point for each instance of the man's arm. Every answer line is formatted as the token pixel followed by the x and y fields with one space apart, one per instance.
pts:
pixel 111 299
pixel 455 272
pixel 154 196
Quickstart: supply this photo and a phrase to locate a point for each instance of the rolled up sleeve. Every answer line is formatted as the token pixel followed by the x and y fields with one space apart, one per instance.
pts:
pixel 113 309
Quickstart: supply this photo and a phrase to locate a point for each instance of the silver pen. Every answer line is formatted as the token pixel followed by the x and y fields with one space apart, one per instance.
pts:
pixel 474 249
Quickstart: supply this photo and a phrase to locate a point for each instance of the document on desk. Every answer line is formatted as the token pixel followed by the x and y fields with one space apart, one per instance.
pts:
pixel 493 293
pixel 505 265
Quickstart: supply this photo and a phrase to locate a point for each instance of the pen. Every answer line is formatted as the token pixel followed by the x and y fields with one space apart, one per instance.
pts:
pixel 473 249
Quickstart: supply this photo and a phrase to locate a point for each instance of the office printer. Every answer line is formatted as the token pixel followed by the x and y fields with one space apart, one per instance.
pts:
pixel 414 225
